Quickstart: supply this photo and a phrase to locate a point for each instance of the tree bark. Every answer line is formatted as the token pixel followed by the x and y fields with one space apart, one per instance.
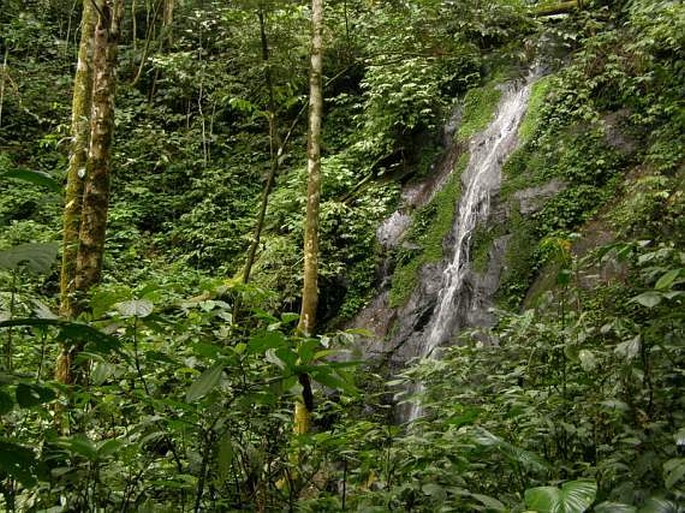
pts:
pixel 96 188
pixel 95 202
pixel 80 136
pixel 310 293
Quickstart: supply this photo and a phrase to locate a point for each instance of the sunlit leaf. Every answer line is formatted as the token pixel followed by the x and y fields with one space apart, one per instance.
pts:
pixel 140 308
pixel 650 299
pixel 572 497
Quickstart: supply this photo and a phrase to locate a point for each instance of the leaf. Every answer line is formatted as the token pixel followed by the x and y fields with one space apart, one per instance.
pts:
pixel 667 279
pixel 35 177
pixel 265 341
pixel 630 348
pixel 35 257
pixel 19 462
pixel 435 491
pixel 679 437
pixel 330 380
pixel 6 402
pixel 573 497
pixel 80 445
pixel 490 503
pixel 587 360
pixel 659 505
pixel 109 447
pixel 614 507
pixel 650 299
pixel 33 395
pixel 224 457
pixel 205 383
pixel 288 317
pixel 674 471
pixel 139 308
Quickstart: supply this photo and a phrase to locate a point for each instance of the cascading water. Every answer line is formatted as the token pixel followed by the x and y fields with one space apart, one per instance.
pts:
pixel 488 152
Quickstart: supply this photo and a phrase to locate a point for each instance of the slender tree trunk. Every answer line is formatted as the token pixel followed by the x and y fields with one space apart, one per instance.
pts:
pixel 95 202
pixel 149 36
pixel 310 293
pixel 96 189
pixel 168 21
pixel 80 136
pixel 3 79
pixel 275 149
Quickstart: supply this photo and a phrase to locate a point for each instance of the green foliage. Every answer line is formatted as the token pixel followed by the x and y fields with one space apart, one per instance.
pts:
pixel 191 377
pixel 573 497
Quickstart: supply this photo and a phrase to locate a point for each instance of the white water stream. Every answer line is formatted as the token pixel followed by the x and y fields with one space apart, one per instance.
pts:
pixel 488 152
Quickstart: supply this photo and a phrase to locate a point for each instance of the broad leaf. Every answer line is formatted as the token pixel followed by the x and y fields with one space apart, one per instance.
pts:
pixel 140 308
pixel 205 383
pixel 35 177
pixel 674 472
pixel 659 505
pixel 33 395
pixel 614 507
pixel 19 462
pixel 667 279
pixel 650 299
pixel 6 402
pixel 572 497
pixel 34 257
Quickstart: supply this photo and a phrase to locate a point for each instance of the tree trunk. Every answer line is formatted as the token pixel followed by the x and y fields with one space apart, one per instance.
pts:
pixel 80 136
pixel 96 184
pixel 275 150
pixel 168 21
pixel 96 189
pixel 310 294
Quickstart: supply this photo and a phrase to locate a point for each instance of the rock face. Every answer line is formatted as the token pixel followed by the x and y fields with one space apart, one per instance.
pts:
pixel 532 199
pixel 451 296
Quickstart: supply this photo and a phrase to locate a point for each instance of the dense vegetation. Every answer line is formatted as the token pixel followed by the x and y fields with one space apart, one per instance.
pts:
pixel 190 374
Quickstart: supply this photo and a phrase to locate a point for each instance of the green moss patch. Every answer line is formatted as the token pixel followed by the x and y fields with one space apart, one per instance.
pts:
pixel 482 240
pixel 423 243
pixel 531 121
pixel 479 107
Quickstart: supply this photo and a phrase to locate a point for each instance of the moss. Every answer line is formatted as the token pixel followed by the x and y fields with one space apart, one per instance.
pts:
pixel 431 225
pixel 531 121
pixel 479 107
pixel 483 237
pixel 519 261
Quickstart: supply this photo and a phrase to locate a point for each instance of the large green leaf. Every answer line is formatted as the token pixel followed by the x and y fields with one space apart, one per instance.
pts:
pixel 6 402
pixel 572 497
pixel 19 462
pixel 93 339
pixel 614 507
pixel 205 383
pixel 35 257
pixel 29 395
pixel 659 505
pixel 35 177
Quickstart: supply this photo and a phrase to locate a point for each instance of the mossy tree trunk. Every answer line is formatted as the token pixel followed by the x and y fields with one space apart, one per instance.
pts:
pixel 310 293
pixel 80 137
pixel 96 189
pixel 95 199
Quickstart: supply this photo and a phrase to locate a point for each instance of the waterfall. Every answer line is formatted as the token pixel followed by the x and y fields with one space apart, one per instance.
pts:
pixel 481 179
